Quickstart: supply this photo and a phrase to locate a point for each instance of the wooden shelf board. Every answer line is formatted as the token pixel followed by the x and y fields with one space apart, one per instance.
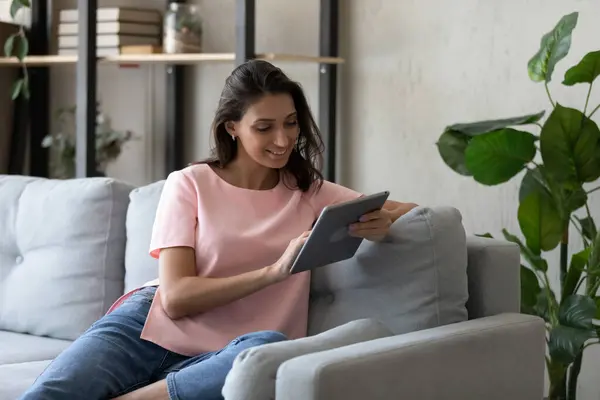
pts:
pixel 168 59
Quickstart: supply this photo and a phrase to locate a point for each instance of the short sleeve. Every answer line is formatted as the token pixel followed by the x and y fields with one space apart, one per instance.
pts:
pixel 331 193
pixel 176 214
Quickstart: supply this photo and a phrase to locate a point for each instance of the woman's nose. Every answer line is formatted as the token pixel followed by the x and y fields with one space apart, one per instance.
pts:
pixel 281 139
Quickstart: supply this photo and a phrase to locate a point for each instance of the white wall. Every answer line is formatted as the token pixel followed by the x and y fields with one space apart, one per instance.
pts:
pixel 413 67
pixel 416 66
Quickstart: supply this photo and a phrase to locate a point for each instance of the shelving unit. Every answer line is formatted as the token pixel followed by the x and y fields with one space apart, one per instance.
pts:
pixel 34 115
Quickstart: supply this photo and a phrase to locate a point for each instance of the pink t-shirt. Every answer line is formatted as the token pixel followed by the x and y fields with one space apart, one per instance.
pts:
pixel 234 230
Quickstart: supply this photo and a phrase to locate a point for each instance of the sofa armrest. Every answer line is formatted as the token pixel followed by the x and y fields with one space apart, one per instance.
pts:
pixel 493 272
pixel 493 358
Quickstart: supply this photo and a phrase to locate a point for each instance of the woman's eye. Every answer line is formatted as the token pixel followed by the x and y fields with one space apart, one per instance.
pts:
pixel 292 123
pixel 262 128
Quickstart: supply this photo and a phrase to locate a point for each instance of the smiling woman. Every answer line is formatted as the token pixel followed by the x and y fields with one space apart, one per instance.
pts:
pixel 226 232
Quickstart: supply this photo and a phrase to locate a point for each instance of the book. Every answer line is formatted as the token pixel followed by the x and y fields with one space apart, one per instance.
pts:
pixel 110 40
pixel 112 14
pixel 116 27
pixel 100 51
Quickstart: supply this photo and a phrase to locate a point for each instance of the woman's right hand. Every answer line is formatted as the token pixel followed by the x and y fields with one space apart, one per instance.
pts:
pixel 281 269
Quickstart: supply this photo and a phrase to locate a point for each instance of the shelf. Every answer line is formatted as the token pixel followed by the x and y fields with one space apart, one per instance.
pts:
pixel 168 59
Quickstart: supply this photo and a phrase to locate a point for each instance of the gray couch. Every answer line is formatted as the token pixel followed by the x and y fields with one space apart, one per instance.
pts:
pixel 429 314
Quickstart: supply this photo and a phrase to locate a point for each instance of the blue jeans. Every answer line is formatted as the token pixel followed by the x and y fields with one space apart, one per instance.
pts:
pixel 110 360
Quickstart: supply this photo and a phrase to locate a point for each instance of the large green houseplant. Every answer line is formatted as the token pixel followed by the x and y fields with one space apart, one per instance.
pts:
pixel 558 157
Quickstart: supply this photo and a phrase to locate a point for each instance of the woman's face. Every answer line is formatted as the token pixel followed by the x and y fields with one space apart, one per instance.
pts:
pixel 268 131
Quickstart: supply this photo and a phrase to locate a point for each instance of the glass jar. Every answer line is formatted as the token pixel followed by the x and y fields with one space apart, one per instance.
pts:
pixel 182 29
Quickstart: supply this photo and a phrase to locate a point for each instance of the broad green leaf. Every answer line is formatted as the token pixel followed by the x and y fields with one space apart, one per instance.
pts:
pixel 577 311
pixel 452 146
pixel 16 88
pixel 577 266
pixel 23 48
pixel 542 306
pixel 566 343
pixel 568 143
pixel 9 45
pixel 540 222
pixel 594 260
pixel 496 157
pixel 554 46
pixel 530 290
pixel 480 127
pixel 533 258
pixel 573 200
pixel 16 5
pixel 586 71
pixel 533 181
pixel 597 301
pixel 588 227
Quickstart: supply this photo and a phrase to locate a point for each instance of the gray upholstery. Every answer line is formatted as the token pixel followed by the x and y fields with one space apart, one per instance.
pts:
pixel 254 371
pixel 139 266
pixel 59 276
pixel 16 378
pixel 19 347
pixel 416 279
pixel 61 253
pixel 492 358
pixel 494 277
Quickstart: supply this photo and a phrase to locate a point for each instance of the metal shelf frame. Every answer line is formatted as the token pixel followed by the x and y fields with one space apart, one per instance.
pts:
pixel 34 116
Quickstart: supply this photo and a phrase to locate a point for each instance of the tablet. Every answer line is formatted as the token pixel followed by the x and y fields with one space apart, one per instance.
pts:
pixel 329 240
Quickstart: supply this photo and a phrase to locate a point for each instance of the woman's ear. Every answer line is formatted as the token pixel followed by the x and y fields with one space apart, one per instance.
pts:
pixel 230 127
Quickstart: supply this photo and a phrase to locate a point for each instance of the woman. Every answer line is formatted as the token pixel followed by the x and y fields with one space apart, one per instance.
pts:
pixel 225 234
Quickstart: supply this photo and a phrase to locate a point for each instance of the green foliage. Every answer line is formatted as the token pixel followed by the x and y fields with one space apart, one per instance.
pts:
pixel 17 45
pixel 109 143
pixel 554 164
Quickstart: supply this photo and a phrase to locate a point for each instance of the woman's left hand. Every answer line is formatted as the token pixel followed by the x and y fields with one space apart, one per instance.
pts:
pixel 373 226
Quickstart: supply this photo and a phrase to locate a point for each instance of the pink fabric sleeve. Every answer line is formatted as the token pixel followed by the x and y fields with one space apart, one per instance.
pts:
pixel 332 193
pixel 176 215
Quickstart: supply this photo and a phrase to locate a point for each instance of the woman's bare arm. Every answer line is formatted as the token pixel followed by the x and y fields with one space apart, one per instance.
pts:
pixel 184 293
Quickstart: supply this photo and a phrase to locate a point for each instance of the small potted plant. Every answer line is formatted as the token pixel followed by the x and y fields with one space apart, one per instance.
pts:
pixel 61 145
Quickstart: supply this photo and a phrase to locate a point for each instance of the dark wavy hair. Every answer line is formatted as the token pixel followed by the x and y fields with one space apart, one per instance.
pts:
pixel 247 84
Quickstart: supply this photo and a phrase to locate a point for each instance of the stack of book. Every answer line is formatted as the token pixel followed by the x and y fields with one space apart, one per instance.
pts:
pixel 117 28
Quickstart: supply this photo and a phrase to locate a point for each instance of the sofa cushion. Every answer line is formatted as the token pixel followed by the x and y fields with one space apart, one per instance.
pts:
pixel 16 378
pixel 62 252
pixel 21 347
pixel 254 370
pixel 140 267
pixel 416 279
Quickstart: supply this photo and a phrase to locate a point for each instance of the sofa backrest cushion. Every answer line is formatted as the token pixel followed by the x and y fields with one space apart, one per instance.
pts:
pixel 62 248
pixel 416 279
pixel 140 267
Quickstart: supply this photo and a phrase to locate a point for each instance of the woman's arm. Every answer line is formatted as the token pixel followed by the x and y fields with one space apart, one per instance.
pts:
pixel 184 293
pixel 375 226
pixel 397 209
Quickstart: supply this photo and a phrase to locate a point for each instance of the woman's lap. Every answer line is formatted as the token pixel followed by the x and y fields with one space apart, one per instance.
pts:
pixel 110 359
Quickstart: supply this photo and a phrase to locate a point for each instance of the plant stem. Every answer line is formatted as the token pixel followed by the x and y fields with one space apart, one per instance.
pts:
pixel 587 99
pixel 549 95
pixel 593 190
pixel 564 256
pixel 593 112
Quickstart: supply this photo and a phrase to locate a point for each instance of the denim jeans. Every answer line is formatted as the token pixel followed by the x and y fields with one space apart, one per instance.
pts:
pixel 110 359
